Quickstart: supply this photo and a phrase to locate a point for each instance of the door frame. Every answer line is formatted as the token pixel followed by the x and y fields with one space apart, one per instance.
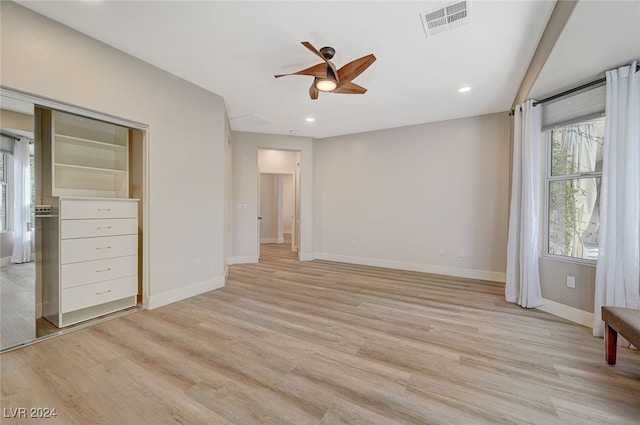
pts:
pixel 295 173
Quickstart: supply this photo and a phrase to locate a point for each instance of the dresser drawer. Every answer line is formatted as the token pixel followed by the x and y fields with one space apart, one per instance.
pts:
pixel 95 208
pixel 98 293
pixel 77 274
pixel 86 249
pixel 98 227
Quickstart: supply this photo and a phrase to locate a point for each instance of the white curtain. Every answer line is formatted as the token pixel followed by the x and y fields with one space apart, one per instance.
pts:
pixel 617 272
pixel 523 275
pixel 21 202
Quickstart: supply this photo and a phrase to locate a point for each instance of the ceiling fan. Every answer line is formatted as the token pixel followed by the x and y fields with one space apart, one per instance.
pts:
pixel 327 78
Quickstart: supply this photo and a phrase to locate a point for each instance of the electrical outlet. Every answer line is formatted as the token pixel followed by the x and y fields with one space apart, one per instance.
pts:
pixel 571 282
pixel 461 253
pixel 196 264
pixel 441 251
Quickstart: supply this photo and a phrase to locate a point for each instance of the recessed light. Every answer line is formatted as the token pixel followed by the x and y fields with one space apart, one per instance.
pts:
pixel 309 119
pixel 464 89
pixel 293 131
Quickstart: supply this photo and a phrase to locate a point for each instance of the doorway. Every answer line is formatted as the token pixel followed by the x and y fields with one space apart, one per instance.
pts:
pixel 278 198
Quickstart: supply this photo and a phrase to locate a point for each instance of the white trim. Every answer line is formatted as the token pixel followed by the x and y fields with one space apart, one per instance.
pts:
pixel 180 294
pixel 6 261
pixel 309 257
pixel 146 224
pixel 416 267
pixel 572 314
pixel 247 259
pixel 38 100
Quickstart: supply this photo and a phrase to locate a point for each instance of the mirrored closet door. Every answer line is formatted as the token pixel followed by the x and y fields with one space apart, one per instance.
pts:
pixel 18 227
pixel 71 216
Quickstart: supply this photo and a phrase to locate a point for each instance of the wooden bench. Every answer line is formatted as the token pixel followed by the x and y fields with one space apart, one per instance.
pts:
pixel 623 321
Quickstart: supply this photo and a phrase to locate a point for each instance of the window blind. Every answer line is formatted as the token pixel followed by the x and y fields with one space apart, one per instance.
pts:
pixel 586 104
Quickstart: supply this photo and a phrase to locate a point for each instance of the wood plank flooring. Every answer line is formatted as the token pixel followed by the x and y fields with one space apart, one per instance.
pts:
pixel 321 343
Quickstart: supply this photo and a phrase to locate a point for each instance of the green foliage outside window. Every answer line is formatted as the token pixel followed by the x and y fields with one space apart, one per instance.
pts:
pixel 573 185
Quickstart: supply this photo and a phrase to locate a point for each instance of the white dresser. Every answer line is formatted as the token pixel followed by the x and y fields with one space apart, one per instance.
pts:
pixel 91 258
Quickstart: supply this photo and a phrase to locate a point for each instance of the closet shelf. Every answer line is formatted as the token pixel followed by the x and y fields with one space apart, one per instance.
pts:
pixel 90 169
pixel 64 138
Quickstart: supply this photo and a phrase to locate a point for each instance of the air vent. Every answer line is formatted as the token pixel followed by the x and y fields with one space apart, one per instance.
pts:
pixel 445 18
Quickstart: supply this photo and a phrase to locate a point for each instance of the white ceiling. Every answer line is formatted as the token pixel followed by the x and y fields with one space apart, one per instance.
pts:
pixel 234 49
pixel 599 35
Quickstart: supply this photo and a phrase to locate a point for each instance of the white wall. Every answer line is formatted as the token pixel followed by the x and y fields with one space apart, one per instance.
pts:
pixel 186 139
pixel 396 197
pixel 276 161
pixel 245 191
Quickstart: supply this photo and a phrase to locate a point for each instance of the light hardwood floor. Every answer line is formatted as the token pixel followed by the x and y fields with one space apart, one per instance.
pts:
pixel 288 342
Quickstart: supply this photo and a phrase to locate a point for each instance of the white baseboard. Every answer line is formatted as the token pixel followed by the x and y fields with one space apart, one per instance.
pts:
pixel 416 267
pixel 247 259
pixel 180 294
pixel 307 257
pixel 572 314
pixel 6 261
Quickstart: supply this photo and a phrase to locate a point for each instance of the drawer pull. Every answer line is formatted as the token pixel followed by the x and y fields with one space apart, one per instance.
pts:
pixel 103 270
pixel 103 292
pixel 103 228
pixel 103 247
pixel 103 209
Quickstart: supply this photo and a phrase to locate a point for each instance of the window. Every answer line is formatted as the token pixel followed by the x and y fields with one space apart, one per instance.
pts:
pixel 3 191
pixel 574 173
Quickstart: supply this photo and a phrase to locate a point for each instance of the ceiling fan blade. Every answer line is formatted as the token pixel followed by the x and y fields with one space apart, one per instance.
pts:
pixel 313 91
pixel 319 70
pixel 350 88
pixel 315 51
pixel 355 68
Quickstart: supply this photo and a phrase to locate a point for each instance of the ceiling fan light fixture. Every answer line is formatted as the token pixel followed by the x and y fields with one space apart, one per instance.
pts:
pixel 325 84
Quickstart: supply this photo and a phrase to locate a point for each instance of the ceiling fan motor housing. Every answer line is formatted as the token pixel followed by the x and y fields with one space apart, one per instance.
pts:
pixel 327 52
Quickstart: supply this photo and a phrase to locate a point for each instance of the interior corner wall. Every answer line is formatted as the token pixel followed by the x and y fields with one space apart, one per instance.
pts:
pixel 430 197
pixel 186 170
pixel 245 191
pixel 228 220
